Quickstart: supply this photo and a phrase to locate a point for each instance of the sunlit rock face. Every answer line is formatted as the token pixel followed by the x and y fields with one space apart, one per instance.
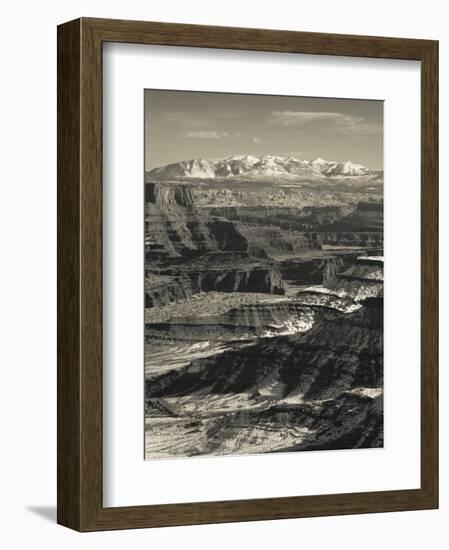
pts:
pixel 175 228
pixel 337 354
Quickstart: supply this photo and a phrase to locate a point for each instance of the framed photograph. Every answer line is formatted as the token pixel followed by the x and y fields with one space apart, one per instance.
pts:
pixel 247 287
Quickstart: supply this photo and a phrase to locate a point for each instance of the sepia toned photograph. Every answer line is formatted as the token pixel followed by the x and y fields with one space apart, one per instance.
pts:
pixel 263 274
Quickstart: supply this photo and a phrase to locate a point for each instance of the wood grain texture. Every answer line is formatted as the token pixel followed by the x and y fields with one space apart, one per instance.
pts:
pixel 80 274
pixel 429 271
pixel 69 409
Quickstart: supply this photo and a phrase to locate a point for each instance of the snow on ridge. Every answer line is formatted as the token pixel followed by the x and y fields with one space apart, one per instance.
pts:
pixel 266 164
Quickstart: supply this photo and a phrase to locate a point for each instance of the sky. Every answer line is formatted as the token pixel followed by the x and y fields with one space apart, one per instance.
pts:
pixel 183 125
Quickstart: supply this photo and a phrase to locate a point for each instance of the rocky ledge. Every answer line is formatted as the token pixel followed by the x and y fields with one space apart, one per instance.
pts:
pixel 336 355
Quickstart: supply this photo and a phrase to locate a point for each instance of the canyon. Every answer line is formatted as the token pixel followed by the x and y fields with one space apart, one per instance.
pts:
pixel 263 307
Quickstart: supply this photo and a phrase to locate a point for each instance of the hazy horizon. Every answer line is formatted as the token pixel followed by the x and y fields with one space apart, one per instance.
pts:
pixel 183 125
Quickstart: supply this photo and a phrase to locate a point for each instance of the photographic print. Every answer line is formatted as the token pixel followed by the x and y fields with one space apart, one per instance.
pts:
pixel 263 274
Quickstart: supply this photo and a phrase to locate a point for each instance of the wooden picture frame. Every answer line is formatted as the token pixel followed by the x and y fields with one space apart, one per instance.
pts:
pixel 80 503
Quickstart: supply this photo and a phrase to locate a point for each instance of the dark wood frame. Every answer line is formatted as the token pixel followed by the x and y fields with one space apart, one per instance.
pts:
pixel 80 274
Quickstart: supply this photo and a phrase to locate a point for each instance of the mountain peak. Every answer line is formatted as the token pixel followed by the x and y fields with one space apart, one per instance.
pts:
pixel 246 158
pixel 251 166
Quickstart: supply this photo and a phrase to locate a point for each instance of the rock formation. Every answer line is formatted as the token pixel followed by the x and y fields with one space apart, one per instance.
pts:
pixel 264 306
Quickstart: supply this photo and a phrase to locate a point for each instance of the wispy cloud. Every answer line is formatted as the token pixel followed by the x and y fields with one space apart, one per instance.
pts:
pixel 206 134
pixel 256 140
pixel 210 134
pixel 328 122
pixel 186 119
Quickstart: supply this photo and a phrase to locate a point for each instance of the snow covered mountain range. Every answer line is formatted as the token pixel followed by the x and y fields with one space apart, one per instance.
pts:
pixel 266 165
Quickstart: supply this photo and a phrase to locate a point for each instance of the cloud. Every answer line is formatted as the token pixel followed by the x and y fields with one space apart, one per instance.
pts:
pixel 206 134
pixel 328 122
pixel 210 134
pixel 256 140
